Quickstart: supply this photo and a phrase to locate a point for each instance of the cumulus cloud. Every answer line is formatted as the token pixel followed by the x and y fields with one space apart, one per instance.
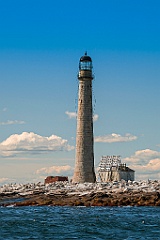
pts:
pixel 56 170
pixel 115 138
pixel 11 122
pixel 143 156
pixel 146 163
pixel 72 115
pixel 31 142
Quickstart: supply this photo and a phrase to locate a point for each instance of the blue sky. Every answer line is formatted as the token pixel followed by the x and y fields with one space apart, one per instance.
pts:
pixel 40 46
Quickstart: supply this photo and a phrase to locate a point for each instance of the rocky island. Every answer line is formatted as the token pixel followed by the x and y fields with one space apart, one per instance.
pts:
pixel 122 193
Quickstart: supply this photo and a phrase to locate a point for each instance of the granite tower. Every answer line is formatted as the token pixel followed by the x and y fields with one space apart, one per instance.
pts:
pixel 84 165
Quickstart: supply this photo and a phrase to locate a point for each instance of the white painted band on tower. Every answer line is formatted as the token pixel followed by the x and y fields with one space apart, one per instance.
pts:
pixel 84 166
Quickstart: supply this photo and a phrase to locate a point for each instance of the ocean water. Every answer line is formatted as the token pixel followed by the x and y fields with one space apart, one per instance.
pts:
pixel 50 222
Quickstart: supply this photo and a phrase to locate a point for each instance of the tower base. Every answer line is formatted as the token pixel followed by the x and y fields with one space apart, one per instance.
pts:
pixel 82 177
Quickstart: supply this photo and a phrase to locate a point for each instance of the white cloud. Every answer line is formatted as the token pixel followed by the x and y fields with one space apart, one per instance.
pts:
pixel 95 117
pixel 72 115
pixel 143 156
pixel 11 122
pixel 115 138
pixel 31 142
pixel 56 170
pixel 146 163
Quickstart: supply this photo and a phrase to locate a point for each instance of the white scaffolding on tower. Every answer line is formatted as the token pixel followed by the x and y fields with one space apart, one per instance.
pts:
pixel 107 162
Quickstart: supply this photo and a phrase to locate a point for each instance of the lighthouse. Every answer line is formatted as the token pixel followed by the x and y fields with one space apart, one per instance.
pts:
pixel 84 162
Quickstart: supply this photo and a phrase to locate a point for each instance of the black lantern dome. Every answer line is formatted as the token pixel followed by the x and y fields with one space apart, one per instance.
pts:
pixel 85 58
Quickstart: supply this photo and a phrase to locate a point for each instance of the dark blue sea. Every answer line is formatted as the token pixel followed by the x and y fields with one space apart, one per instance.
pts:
pixel 80 223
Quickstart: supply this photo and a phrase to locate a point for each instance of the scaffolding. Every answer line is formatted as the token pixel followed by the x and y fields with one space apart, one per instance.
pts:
pixel 107 162
pixel 111 169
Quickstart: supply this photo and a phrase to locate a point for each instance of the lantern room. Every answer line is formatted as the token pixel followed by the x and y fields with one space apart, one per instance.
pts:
pixel 85 63
pixel 85 67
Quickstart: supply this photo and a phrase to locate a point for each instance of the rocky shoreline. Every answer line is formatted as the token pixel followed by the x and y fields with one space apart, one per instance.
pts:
pixel 142 193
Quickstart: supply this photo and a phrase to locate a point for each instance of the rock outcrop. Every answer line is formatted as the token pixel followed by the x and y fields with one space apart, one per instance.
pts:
pixel 142 193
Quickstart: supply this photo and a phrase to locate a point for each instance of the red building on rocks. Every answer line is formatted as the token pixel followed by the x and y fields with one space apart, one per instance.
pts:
pixel 51 179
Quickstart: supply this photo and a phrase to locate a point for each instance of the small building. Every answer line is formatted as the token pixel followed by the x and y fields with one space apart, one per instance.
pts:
pixel 111 169
pixel 51 179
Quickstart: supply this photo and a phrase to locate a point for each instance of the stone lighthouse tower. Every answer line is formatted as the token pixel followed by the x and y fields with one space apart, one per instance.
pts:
pixel 84 166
